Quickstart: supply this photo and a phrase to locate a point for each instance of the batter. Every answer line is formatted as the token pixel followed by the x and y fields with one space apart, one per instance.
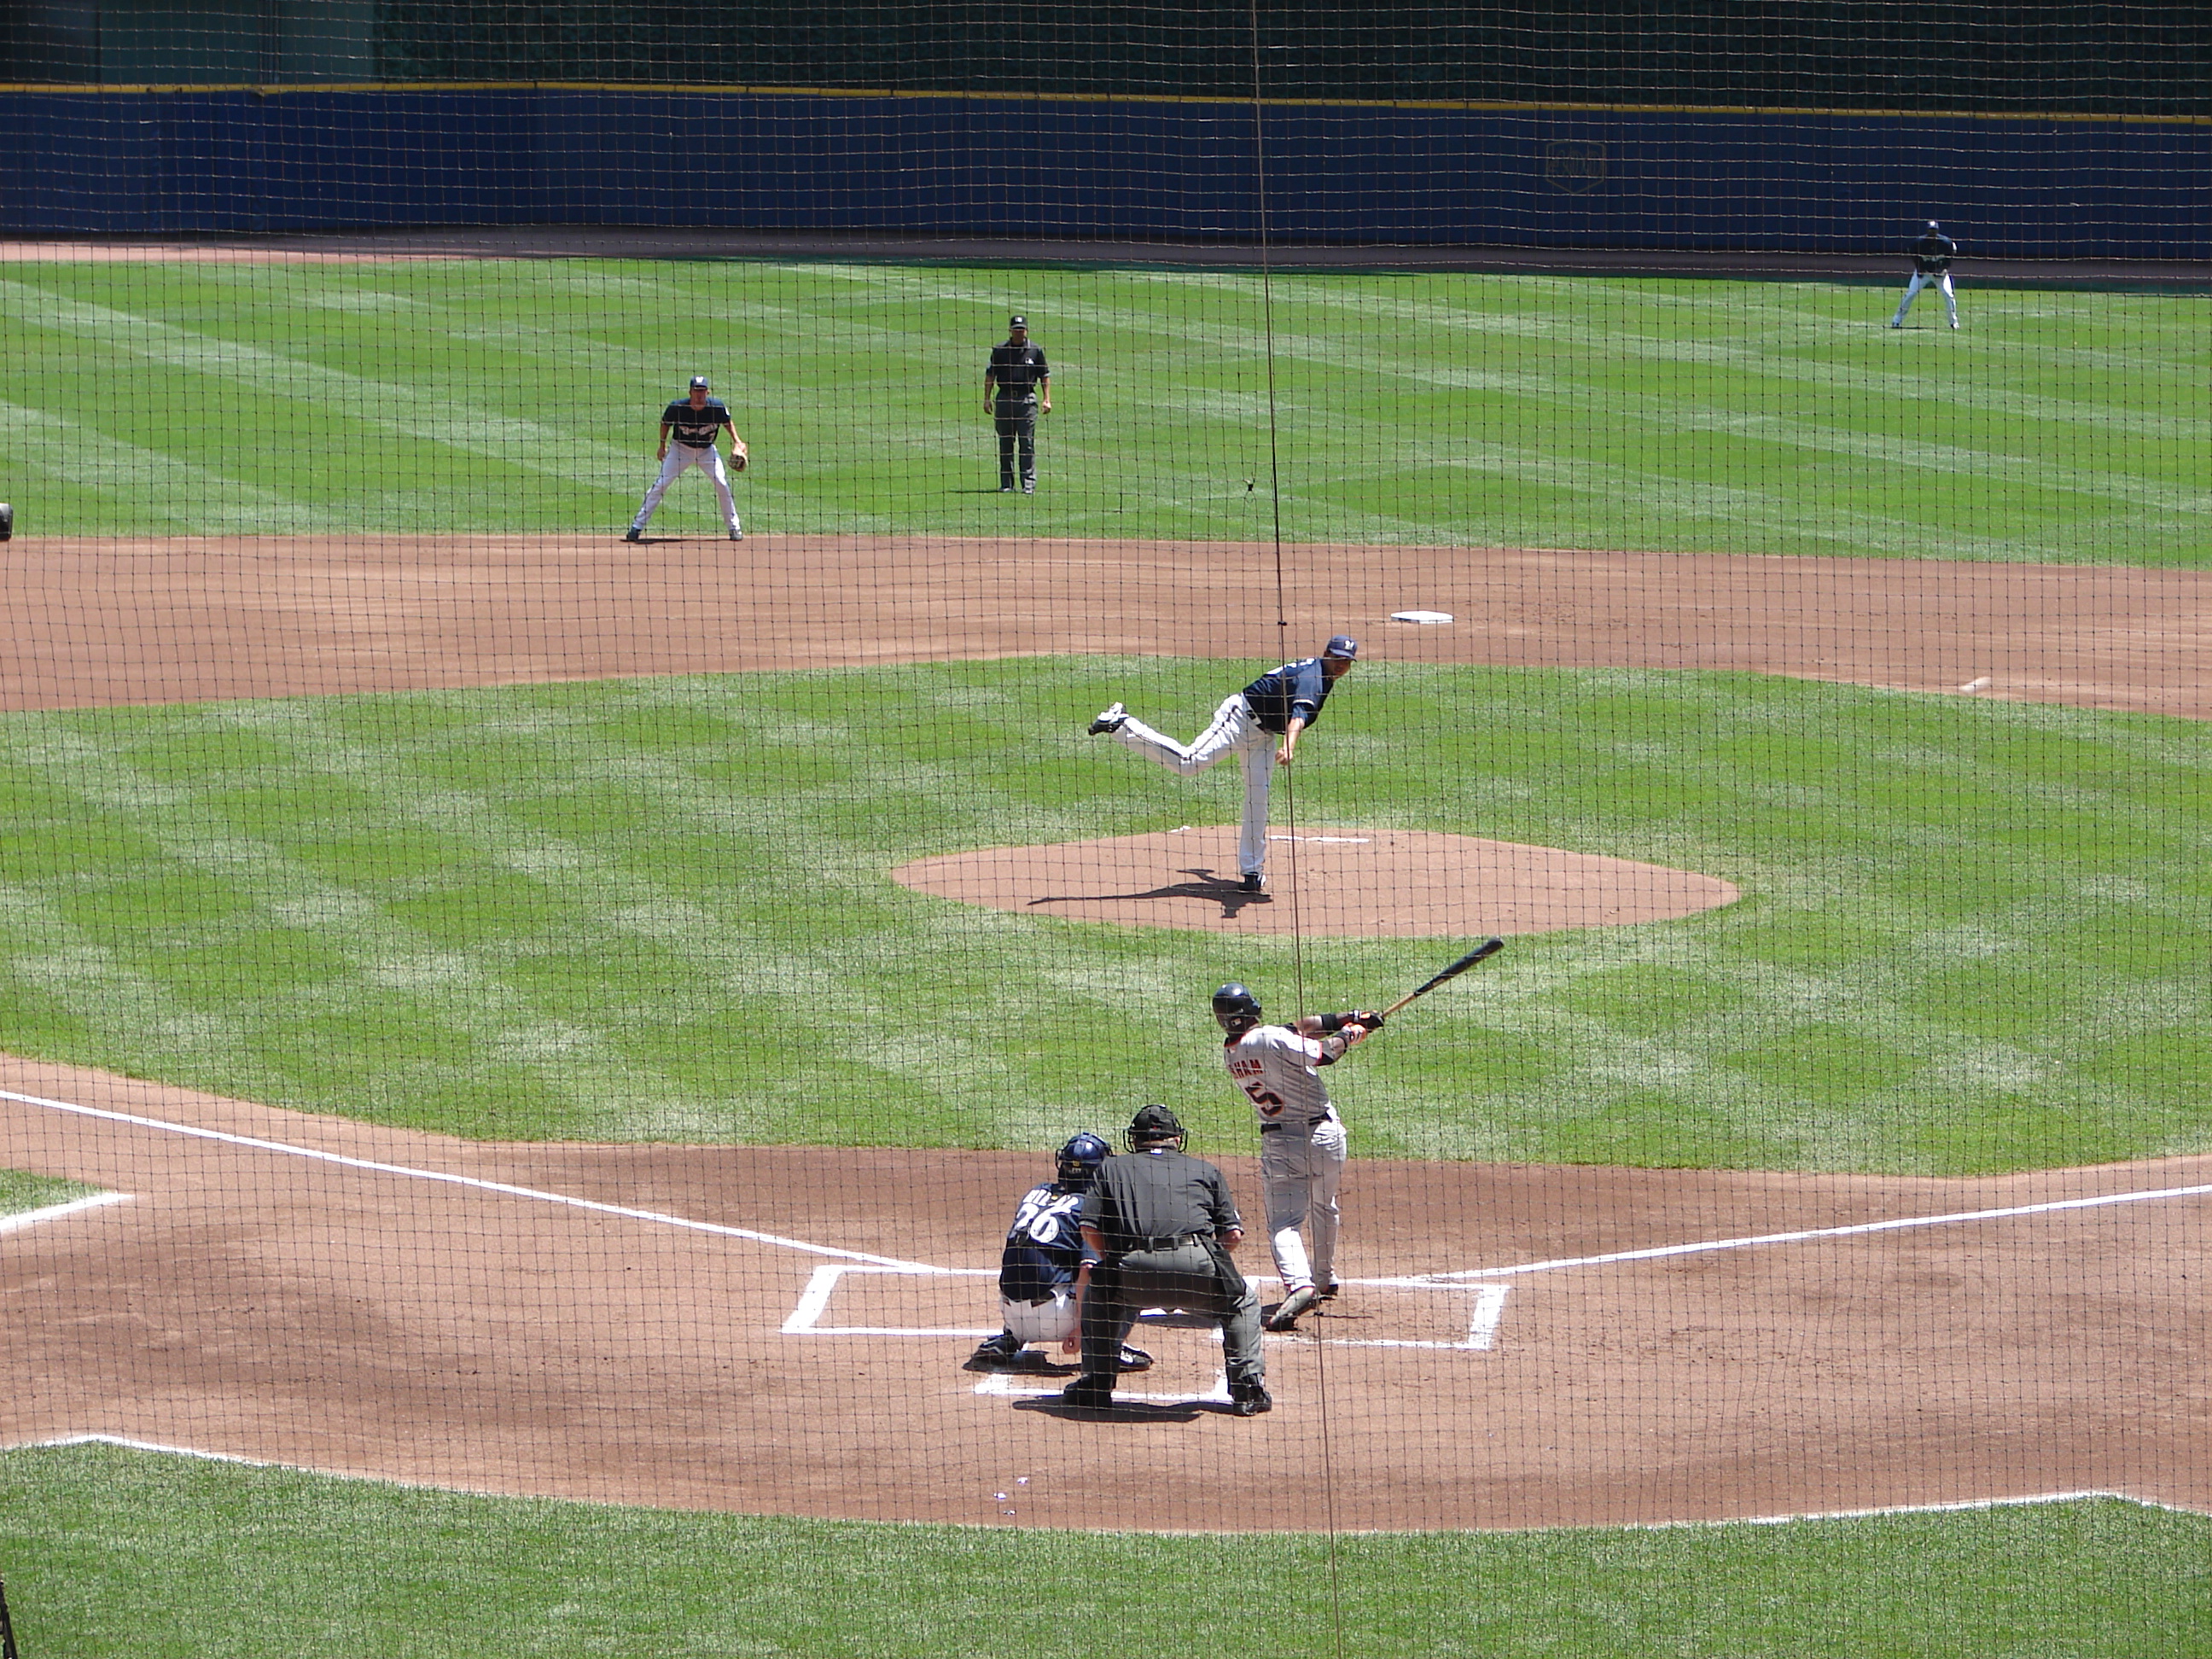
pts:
pixel 1301 1139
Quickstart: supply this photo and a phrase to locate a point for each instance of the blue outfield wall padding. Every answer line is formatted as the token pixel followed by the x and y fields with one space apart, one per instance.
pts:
pixel 239 161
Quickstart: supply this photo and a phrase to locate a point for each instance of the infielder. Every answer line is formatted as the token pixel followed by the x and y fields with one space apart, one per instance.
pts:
pixel 1016 389
pixel 696 421
pixel 1301 1139
pixel 1931 268
pixel 1044 1269
pixel 1261 723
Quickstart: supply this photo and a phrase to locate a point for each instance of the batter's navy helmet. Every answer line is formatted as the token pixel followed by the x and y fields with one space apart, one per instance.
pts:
pixel 1236 1008
pixel 1079 1160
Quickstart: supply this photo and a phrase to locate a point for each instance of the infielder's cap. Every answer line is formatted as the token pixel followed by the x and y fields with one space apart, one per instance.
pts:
pixel 1341 645
pixel 698 380
pixel 1018 322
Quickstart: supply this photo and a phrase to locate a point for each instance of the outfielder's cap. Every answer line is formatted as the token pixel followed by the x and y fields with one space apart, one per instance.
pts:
pixel 1018 322
pixel 1341 645
pixel 698 380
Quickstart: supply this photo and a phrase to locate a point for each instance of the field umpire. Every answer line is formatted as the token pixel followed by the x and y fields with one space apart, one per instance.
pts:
pixel 1016 389
pixel 1162 1225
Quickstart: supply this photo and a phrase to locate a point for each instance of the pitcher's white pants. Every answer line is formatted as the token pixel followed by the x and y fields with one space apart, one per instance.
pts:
pixel 708 461
pixel 1920 280
pixel 1234 730
pixel 1301 1168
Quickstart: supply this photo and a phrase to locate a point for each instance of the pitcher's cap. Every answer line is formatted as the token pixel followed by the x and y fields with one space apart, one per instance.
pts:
pixel 698 380
pixel 1341 645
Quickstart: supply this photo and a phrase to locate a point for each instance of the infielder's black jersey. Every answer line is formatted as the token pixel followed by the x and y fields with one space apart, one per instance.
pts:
pixel 1931 254
pixel 1157 1195
pixel 1044 1246
pixel 1017 368
pixel 696 428
pixel 1297 688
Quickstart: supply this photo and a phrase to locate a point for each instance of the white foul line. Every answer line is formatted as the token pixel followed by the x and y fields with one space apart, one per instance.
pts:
pixel 55 1211
pixel 1898 1224
pixel 473 1182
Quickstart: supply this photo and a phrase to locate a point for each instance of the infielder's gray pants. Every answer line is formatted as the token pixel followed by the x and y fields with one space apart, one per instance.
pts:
pixel 1184 1277
pixel 1234 730
pixel 1017 431
pixel 679 456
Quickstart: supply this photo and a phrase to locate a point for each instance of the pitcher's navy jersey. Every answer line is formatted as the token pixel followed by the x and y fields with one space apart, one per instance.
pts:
pixel 1295 689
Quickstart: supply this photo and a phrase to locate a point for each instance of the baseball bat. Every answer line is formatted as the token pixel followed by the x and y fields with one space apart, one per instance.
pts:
pixel 1489 947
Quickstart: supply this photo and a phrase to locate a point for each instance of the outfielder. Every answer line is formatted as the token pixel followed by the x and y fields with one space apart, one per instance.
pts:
pixel 1261 723
pixel 1044 1269
pixel 1931 268
pixel 696 421
pixel 1301 1139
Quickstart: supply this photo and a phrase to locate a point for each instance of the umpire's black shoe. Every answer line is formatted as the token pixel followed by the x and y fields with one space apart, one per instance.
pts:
pixel 1253 881
pixel 1249 1399
pixel 633 535
pixel 1089 1393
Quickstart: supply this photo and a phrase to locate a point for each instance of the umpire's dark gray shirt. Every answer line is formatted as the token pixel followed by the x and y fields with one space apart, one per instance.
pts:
pixel 1157 1195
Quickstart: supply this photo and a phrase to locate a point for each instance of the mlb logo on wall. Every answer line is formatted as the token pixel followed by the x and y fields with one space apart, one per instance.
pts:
pixel 1575 165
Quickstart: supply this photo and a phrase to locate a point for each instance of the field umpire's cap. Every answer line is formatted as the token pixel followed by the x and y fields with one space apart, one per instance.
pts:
pixel 1018 322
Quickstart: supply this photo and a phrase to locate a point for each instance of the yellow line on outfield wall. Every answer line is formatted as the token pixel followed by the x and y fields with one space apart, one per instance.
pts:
pixel 721 90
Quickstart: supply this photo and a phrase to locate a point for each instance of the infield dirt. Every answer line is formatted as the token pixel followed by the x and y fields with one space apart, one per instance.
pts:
pixel 255 1301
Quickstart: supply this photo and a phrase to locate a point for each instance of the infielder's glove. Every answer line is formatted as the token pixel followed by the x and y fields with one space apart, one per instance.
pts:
pixel 738 461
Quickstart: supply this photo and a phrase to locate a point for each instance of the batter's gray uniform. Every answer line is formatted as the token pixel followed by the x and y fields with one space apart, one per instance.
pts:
pixel 1303 1146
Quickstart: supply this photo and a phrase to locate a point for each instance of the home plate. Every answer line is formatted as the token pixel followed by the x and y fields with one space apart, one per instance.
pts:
pixel 1217 1395
pixel 1421 616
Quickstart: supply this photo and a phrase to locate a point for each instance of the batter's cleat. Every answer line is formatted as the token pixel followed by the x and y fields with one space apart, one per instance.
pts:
pixel 633 535
pixel 1297 1301
pixel 1089 1393
pixel 1331 1291
pixel 1253 882
pixel 1135 1360
pixel 1000 1352
pixel 1249 1399
pixel 1109 719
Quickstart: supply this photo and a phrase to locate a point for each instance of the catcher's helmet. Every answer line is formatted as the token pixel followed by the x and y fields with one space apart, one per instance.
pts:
pixel 1151 1125
pixel 1236 1008
pixel 1079 1160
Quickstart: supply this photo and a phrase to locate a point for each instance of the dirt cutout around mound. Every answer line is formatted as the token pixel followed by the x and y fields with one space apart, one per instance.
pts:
pixel 1351 883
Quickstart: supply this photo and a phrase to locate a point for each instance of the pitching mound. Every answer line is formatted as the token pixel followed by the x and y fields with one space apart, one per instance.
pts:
pixel 1396 882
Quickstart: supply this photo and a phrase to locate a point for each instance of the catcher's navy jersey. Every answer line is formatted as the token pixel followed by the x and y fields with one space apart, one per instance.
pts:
pixel 1044 1246
pixel 1295 689
pixel 696 428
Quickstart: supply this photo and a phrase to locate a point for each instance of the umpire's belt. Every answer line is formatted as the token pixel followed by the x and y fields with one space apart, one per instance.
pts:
pixel 1169 1241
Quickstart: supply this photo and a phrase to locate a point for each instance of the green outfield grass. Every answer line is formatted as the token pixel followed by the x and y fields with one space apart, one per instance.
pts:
pixel 1969 937
pixel 20 1190
pixel 1684 415
pixel 140 1555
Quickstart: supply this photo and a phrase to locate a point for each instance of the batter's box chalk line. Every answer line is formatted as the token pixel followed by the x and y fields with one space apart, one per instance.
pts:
pixel 1487 1307
pixel 22 1219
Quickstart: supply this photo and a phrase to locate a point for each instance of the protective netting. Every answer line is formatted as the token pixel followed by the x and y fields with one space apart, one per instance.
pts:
pixel 539 968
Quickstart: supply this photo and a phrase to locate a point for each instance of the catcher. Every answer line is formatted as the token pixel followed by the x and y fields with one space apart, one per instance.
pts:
pixel 1044 1269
